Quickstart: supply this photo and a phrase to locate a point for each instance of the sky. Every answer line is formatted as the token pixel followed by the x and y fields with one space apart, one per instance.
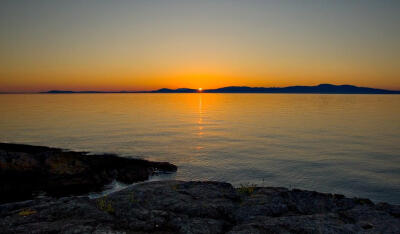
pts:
pixel 149 44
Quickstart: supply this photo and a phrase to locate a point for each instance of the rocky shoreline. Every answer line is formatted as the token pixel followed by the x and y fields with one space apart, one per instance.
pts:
pixel 201 207
pixel 27 170
pixel 173 206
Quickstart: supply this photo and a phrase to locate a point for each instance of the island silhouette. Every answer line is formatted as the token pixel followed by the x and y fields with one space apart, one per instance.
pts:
pixel 318 89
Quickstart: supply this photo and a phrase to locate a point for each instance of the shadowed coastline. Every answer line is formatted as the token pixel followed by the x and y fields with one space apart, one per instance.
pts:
pixel 319 89
pixel 27 170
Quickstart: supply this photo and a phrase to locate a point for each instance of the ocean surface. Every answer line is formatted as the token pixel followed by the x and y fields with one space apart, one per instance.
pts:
pixel 348 144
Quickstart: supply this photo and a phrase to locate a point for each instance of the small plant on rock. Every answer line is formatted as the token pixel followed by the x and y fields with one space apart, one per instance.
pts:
pixel 105 205
pixel 247 189
pixel 27 212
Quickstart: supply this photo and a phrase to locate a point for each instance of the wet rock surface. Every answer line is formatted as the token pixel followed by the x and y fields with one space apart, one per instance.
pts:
pixel 26 170
pixel 201 207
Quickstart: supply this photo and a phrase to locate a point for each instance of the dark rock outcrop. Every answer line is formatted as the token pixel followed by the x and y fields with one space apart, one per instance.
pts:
pixel 201 207
pixel 26 170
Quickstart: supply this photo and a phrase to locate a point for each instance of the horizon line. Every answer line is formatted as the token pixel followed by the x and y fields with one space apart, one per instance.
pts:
pixel 201 90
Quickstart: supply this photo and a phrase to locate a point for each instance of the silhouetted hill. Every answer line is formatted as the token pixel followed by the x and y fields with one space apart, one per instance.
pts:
pixel 180 90
pixel 68 92
pixel 322 88
pixel 58 91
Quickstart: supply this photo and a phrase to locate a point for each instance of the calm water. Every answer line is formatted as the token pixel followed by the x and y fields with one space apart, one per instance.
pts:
pixel 347 144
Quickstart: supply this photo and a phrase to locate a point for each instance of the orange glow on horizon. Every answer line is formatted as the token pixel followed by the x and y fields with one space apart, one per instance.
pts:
pixel 137 46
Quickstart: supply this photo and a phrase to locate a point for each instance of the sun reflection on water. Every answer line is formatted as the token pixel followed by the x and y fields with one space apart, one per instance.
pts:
pixel 200 126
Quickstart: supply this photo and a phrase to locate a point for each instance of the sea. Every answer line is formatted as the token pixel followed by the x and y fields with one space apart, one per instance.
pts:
pixel 345 144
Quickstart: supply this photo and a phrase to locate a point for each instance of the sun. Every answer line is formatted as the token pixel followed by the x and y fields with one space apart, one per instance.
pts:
pixel 200 89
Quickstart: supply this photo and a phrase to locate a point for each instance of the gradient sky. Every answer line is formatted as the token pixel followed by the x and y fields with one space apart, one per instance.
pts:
pixel 149 44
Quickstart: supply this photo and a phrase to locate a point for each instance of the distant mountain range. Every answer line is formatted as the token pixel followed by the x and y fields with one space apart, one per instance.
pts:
pixel 322 89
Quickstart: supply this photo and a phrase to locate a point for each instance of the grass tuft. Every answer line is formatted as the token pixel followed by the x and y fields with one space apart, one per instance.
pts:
pixel 27 212
pixel 247 189
pixel 105 205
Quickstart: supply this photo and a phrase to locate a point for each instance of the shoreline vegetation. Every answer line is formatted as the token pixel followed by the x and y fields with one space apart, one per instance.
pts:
pixel 163 206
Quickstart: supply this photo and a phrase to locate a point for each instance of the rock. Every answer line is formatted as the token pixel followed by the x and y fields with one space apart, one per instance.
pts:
pixel 26 170
pixel 201 207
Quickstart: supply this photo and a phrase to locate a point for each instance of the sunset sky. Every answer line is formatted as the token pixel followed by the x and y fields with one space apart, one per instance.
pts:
pixel 149 44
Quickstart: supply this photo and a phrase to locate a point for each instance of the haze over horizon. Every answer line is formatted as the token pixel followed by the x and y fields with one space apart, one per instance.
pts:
pixel 200 90
pixel 147 45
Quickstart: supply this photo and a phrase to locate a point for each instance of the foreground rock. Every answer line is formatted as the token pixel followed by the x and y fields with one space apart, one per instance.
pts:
pixel 26 170
pixel 201 207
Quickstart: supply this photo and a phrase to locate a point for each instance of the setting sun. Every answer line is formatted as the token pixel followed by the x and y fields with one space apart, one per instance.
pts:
pixel 200 89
